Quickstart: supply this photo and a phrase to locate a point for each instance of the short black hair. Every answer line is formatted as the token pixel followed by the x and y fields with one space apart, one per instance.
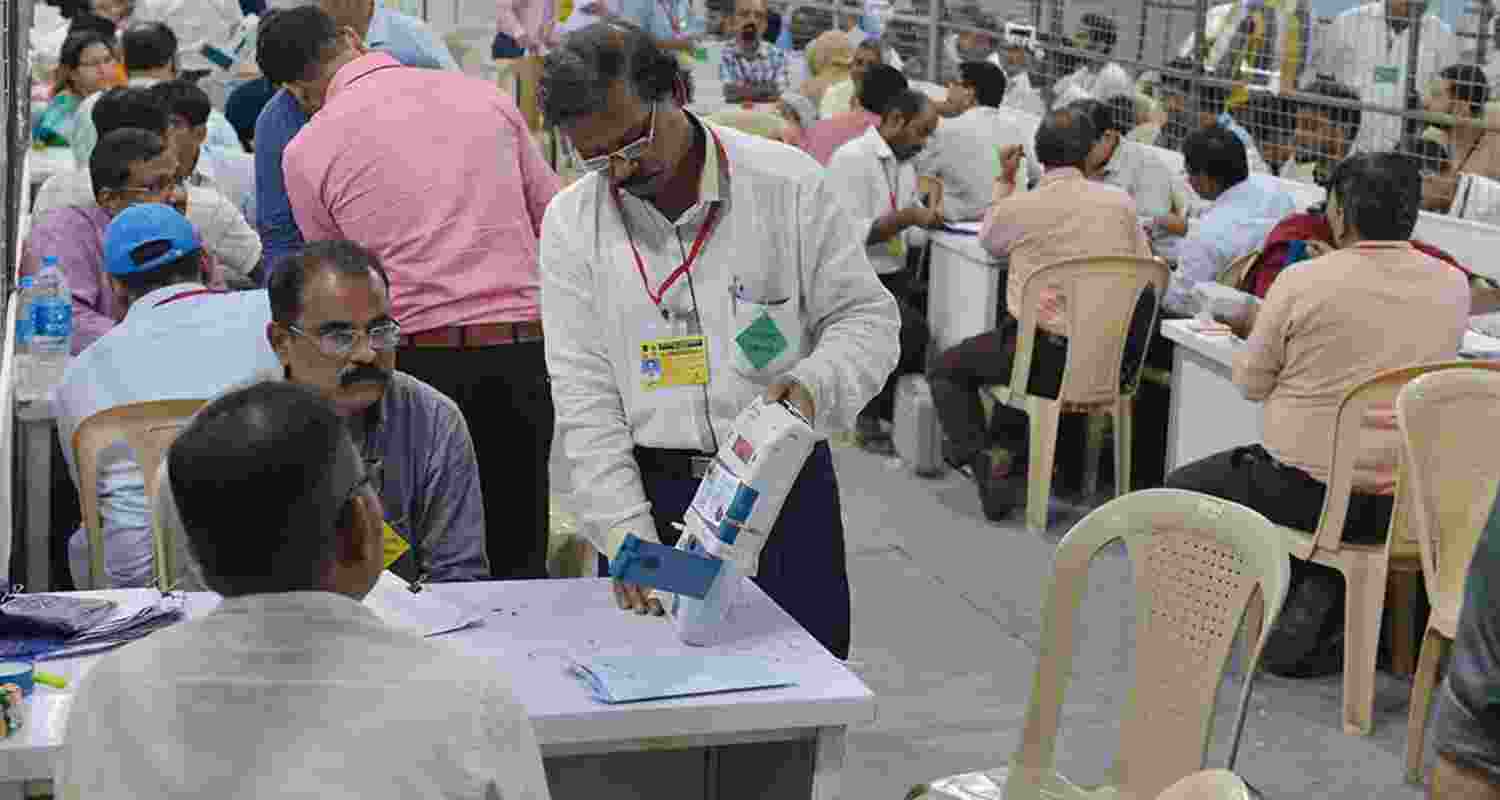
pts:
pixel 881 85
pixel 988 80
pixel 256 478
pixel 128 107
pixel 1065 138
pixel 187 269
pixel 1217 153
pixel 109 164
pixel 1469 85
pixel 183 98
pixel 1380 194
pixel 1348 116
pixel 88 22
pixel 1108 116
pixel 1101 30
pixel 150 45
pixel 908 102
pixel 73 47
pixel 577 76
pixel 1180 83
pixel 291 274
pixel 291 43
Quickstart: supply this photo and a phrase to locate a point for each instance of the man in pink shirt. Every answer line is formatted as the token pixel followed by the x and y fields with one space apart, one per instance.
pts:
pixel 1067 216
pixel 435 173
pixel 879 85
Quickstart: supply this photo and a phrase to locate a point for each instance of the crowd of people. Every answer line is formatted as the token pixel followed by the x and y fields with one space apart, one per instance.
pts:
pixel 400 305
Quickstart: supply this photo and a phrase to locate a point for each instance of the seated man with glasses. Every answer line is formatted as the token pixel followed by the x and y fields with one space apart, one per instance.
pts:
pixel 129 166
pixel 179 340
pixel 291 687
pixel 333 330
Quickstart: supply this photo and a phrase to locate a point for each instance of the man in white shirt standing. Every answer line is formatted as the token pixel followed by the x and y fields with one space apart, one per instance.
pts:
pixel 1366 48
pixel 1120 162
pixel 875 178
pixel 291 686
pixel 963 154
pixel 739 246
pixel 178 340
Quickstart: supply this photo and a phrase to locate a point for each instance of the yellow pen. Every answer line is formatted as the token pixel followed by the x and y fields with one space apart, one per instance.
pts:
pixel 49 679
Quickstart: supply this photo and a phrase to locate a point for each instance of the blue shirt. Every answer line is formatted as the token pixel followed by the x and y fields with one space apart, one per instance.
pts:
pixel 406 38
pixel 663 19
pixel 1235 224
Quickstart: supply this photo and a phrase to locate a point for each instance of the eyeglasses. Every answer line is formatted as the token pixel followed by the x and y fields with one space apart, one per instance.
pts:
pixel 340 342
pixel 159 187
pixel 630 152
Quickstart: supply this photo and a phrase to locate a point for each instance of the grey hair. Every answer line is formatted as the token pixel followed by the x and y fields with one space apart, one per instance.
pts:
pixel 577 77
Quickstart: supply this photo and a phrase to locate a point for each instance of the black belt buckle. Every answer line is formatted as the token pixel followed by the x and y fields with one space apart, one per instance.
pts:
pixel 698 466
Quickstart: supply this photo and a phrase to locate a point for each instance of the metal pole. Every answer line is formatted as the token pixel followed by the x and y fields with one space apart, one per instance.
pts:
pixel 934 45
pixel 1413 62
pixel 1200 48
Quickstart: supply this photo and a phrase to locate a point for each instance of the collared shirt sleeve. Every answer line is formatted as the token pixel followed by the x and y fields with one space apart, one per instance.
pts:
pixel 1153 192
pixel 539 183
pixel 852 184
pixel 592 428
pixel 995 234
pixel 304 194
pixel 225 232
pixel 448 502
pixel 85 135
pixel 274 129
pixel 1258 364
pixel 513 759
pixel 82 263
pixel 851 316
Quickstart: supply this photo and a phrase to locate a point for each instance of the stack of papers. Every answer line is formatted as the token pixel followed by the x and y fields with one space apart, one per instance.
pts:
pixel 121 630
pixel 1480 346
pixel 422 613
pixel 630 679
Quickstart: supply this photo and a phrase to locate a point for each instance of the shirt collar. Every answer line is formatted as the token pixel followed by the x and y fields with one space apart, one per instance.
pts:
pixel 711 182
pixel 1374 245
pixel 380 28
pixel 358 68
pixel 151 299
pixel 1117 158
pixel 306 605
pixel 875 144
pixel 1057 174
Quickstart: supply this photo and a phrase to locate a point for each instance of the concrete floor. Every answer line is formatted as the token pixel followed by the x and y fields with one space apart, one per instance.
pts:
pixel 946 624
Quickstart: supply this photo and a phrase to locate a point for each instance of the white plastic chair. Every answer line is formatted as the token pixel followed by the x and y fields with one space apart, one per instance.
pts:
pixel 1210 784
pixel 1202 566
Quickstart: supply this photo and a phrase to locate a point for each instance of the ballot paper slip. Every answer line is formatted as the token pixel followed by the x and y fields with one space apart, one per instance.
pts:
pixel 422 613
pixel 632 679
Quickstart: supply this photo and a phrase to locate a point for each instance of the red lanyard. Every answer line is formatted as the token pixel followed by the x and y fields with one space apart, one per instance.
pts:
pixel 185 295
pixel 666 8
pixel 710 222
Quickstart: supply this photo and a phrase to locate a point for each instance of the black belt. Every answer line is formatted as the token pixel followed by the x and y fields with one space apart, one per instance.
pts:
pixel 672 464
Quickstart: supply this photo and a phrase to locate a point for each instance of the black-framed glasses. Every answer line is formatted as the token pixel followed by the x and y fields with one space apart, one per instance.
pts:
pixel 630 152
pixel 159 187
pixel 340 342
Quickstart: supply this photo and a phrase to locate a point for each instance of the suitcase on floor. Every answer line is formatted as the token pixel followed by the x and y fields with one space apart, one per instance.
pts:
pixel 916 433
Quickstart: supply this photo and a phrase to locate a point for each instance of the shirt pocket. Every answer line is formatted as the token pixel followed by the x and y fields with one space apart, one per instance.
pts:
pixel 767 337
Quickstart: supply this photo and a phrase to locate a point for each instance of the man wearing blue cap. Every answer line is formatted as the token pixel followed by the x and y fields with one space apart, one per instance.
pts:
pixel 178 340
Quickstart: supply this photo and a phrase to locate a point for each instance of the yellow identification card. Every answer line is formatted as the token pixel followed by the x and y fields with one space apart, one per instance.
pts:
pixel 674 361
pixel 391 542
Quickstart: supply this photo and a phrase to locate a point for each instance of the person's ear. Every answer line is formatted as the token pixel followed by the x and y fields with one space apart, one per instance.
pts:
pixel 281 341
pixel 359 532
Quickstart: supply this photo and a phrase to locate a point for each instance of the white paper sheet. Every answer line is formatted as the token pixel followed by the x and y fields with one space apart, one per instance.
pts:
pixel 422 613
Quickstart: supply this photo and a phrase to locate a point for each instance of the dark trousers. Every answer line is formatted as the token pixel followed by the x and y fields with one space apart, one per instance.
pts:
pixel 914 339
pixel 505 397
pixel 985 360
pixel 803 564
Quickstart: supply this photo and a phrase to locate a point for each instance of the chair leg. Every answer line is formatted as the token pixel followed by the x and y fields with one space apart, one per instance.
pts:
pixel 1124 440
pixel 1093 450
pixel 1363 603
pixel 1044 415
pixel 1434 648
pixel 1404 587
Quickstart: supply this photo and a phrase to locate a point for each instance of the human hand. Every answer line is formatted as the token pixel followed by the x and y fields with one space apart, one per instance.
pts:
pixel 924 217
pixel 788 389
pixel 1010 161
pixel 637 598
pixel 1318 249
pixel 1230 306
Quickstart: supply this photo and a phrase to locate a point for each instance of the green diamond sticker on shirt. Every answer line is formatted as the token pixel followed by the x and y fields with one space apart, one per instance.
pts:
pixel 762 341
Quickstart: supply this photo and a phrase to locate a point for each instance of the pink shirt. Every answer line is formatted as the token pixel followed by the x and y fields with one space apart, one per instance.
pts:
pixel 1067 216
pixel 1328 325
pixel 436 173
pixel 822 139
pixel 532 23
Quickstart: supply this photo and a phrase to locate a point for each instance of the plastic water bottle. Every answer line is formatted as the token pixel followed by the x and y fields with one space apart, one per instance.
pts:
pixel 52 328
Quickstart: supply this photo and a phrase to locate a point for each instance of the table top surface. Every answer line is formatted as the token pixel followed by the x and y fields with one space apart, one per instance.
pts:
pixel 1221 348
pixel 531 629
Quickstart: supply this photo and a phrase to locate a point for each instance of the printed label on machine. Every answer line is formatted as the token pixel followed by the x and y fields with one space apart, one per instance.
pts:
pixel 723 496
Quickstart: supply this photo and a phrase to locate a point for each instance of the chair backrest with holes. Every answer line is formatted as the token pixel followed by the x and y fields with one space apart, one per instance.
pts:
pixel 148 428
pixel 1103 295
pixel 1374 396
pixel 1200 563
pixel 1210 784
pixel 1453 467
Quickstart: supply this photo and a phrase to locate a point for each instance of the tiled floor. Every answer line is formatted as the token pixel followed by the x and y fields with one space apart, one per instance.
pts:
pixel 946 622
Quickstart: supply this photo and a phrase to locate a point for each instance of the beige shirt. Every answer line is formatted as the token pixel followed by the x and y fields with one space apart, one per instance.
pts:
pixel 1330 323
pixel 1067 216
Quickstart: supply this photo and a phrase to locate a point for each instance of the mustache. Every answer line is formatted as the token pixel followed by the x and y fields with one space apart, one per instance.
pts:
pixel 364 373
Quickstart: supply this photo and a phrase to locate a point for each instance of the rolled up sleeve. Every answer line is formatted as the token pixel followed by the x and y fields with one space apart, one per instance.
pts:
pixel 1257 366
pixel 592 428
pixel 852 318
